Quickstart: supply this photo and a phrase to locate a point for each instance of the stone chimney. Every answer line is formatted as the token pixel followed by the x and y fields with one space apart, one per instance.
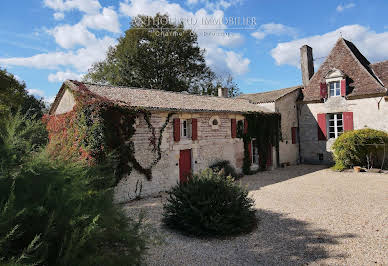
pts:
pixel 306 63
pixel 223 92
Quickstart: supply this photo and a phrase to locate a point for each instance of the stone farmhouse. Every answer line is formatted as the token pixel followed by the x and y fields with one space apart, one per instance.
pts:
pixel 202 130
pixel 347 92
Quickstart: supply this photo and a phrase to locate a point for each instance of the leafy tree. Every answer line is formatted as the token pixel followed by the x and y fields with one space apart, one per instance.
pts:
pixel 221 81
pixel 14 96
pixel 154 55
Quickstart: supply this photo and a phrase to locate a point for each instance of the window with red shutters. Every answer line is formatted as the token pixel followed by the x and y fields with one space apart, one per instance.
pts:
pixel 294 134
pixel 323 90
pixel 177 129
pixel 194 129
pixel 322 131
pixel 233 128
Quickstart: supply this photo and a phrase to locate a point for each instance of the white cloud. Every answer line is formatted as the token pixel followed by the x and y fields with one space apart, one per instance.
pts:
pixel 87 6
pixel 61 76
pixel 274 29
pixel 371 44
pixel 214 5
pixel 237 63
pixel 341 8
pixel 59 15
pixel 36 92
pixel 107 20
pixel 68 36
pixel 81 59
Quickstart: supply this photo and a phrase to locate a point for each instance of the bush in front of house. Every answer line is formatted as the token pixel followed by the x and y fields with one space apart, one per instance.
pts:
pixel 209 204
pixel 57 212
pixel 356 148
pixel 225 168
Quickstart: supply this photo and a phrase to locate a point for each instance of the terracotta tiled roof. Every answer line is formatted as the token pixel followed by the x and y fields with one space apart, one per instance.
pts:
pixel 363 80
pixel 381 70
pixel 164 100
pixel 269 96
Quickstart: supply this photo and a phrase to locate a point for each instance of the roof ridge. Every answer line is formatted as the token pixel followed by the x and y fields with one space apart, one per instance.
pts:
pixel 157 90
pixel 256 93
pixel 380 62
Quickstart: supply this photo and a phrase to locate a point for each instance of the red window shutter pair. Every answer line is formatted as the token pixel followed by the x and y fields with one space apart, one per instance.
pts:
pixel 322 129
pixel 233 128
pixel 294 134
pixel 323 90
pixel 177 129
pixel 343 87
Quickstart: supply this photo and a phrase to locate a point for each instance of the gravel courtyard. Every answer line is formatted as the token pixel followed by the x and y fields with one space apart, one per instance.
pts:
pixel 308 215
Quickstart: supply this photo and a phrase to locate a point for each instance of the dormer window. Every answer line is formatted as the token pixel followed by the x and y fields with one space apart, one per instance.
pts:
pixel 334 88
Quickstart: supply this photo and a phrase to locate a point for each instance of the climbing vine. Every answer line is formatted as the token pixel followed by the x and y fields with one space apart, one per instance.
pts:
pixel 98 129
pixel 266 129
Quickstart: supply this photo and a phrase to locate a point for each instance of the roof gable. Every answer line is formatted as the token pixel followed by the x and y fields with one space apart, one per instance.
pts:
pixel 381 70
pixel 348 59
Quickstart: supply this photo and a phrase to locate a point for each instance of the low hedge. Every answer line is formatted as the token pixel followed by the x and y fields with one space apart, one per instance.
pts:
pixel 357 147
pixel 209 204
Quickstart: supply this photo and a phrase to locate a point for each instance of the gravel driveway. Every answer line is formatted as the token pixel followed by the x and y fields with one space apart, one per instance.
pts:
pixel 308 215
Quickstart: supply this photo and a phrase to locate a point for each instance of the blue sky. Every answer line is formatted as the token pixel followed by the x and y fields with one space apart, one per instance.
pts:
pixel 44 42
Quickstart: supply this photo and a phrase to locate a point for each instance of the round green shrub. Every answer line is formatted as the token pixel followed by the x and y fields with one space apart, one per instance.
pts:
pixel 209 204
pixel 354 147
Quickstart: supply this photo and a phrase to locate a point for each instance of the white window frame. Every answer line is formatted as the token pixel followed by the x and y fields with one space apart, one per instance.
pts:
pixel 336 90
pixel 335 118
pixel 186 128
pixel 255 153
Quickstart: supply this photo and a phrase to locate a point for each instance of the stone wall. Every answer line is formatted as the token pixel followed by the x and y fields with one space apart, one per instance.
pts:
pixel 212 144
pixel 66 104
pixel 367 112
pixel 286 106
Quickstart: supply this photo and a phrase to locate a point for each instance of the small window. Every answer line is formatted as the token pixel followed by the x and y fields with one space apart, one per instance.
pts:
pixel 215 122
pixel 186 128
pixel 336 126
pixel 255 152
pixel 334 89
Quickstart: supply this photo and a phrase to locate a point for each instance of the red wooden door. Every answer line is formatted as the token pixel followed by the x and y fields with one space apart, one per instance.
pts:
pixel 184 165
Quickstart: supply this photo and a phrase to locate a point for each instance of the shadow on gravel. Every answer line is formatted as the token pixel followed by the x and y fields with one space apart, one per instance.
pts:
pixel 266 178
pixel 282 240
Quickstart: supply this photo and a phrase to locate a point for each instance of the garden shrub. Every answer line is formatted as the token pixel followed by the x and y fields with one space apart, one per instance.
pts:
pixel 355 148
pixel 58 212
pixel 209 205
pixel 225 168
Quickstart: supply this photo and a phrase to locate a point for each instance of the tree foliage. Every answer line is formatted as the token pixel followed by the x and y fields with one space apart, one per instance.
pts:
pixel 14 97
pixel 155 53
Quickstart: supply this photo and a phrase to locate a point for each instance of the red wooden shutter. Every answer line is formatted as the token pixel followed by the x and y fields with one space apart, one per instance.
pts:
pixel 194 129
pixel 323 87
pixel 250 150
pixel 245 126
pixel 269 156
pixel 343 87
pixel 348 121
pixel 233 128
pixel 293 134
pixel 177 129
pixel 322 134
